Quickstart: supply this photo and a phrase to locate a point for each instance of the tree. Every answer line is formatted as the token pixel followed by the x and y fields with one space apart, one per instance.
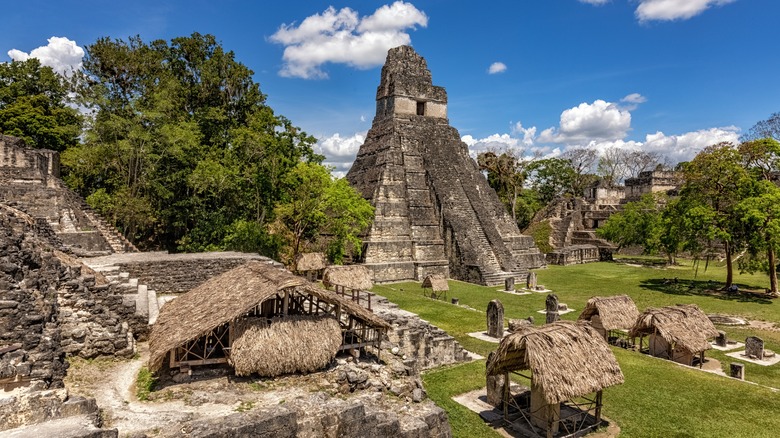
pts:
pixel 320 211
pixel 182 152
pixel 715 183
pixel 645 222
pixel 506 173
pixel 581 161
pixel 34 106
pixel 761 212
pixel 552 177
pixel 769 128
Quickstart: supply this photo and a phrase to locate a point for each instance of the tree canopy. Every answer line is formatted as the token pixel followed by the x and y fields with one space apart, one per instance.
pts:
pixel 182 152
pixel 34 106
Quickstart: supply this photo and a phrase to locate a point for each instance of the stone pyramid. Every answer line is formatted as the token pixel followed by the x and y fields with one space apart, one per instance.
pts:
pixel 435 212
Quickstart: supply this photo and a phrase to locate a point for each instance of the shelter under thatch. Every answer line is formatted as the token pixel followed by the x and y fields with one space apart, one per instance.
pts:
pixel 437 285
pixel 356 277
pixel 262 345
pixel 310 264
pixel 610 315
pixel 199 327
pixel 567 360
pixel 677 332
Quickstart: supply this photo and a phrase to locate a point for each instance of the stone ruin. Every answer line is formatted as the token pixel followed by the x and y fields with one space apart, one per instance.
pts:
pixel 30 181
pixel 509 284
pixel 531 281
pixel 495 319
pixel 574 221
pixel 552 308
pixel 435 212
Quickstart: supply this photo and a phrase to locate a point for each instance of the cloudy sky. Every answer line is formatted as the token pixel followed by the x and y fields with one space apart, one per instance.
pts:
pixel 668 76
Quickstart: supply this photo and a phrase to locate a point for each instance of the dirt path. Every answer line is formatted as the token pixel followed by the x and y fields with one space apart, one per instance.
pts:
pixel 113 389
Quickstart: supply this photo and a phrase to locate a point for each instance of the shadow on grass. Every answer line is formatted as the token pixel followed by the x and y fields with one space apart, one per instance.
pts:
pixel 705 288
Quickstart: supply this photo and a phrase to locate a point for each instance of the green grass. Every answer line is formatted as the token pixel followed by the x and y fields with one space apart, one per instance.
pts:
pixel 659 398
pixel 144 384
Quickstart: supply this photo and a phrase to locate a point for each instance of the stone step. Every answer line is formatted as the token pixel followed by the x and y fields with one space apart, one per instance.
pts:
pixel 154 309
pixel 142 301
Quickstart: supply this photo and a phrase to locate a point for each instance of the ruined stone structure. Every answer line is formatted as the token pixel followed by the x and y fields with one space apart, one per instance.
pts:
pixel 495 319
pixel 573 221
pixel 435 212
pixel 30 181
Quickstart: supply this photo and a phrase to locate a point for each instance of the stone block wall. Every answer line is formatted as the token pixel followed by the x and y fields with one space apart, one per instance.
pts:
pixel 50 306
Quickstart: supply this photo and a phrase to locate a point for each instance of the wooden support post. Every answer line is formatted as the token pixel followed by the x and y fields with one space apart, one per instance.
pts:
pixel 598 407
pixel 506 396
pixel 285 303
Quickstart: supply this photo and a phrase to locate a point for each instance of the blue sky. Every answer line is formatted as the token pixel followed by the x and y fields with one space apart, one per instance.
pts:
pixel 668 76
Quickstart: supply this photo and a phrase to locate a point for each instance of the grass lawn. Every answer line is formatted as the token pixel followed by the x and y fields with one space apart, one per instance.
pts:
pixel 659 398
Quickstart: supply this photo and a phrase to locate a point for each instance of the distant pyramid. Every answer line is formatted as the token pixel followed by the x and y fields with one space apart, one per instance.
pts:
pixel 435 212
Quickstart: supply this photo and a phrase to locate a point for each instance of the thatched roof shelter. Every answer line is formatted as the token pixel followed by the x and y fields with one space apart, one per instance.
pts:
pixel 228 297
pixel 683 325
pixel 262 346
pixel 310 261
pixel 567 359
pixel 356 277
pixel 616 312
pixel 436 283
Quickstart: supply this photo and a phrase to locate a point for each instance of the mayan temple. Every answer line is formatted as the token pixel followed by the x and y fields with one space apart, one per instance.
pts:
pixel 435 212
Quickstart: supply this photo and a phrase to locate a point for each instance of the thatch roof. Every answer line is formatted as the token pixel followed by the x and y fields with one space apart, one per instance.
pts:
pixel 567 359
pixel 264 348
pixel 437 283
pixel 616 312
pixel 310 261
pixel 684 325
pixel 229 296
pixel 356 277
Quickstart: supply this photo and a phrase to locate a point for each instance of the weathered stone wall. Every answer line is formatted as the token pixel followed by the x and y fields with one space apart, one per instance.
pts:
pixel 424 345
pixel 51 306
pixel 174 273
pixel 653 182
pixel 321 417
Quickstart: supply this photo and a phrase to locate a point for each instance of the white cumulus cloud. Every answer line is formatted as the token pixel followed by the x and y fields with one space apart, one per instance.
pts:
pixel 685 146
pixel 343 37
pixel 595 2
pixel 496 67
pixel 61 54
pixel 667 10
pixel 600 121
pixel 340 151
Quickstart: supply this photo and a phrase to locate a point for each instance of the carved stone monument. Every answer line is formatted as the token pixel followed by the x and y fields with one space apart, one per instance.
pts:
pixel 509 284
pixel 737 370
pixel 494 387
pixel 435 212
pixel 754 347
pixel 721 340
pixel 551 304
pixel 531 281
pixel 495 319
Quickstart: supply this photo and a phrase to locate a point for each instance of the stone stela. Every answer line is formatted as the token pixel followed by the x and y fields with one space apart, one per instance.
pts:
pixel 495 319
pixel 435 212
pixel 551 305
pixel 754 347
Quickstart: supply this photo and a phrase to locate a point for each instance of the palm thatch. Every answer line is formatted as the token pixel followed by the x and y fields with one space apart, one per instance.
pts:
pixel 616 312
pixel 356 277
pixel 683 325
pixel 263 347
pixel 310 261
pixel 567 359
pixel 230 296
pixel 436 283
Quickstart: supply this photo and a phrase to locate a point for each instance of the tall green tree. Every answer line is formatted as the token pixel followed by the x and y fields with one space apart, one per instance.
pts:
pixel 182 152
pixel 319 212
pixel 34 106
pixel 715 183
pixel 648 222
pixel 506 173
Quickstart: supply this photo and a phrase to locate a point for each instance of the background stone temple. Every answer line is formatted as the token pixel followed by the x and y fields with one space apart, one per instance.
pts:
pixel 435 212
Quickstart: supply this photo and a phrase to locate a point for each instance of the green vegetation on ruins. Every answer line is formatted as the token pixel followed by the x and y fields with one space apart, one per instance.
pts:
pixel 658 398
